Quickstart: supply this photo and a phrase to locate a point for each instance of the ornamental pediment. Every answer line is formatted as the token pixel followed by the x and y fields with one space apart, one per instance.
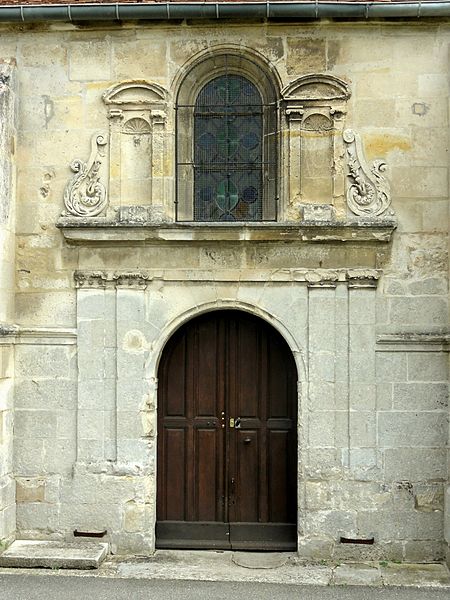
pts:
pixel 317 87
pixel 135 92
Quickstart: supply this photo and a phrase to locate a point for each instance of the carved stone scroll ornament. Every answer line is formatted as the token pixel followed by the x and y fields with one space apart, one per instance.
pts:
pixel 85 195
pixel 369 192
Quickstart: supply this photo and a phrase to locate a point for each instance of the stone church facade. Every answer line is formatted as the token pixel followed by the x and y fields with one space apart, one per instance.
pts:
pixel 119 229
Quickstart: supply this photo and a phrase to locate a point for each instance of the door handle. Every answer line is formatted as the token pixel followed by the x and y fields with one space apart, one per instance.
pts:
pixel 237 423
pixel 247 440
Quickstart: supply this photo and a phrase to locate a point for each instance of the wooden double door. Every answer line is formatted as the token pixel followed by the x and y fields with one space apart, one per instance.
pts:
pixel 227 436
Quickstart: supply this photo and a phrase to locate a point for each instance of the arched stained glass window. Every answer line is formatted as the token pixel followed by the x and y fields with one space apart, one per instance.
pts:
pixel 228 151
pixel 227 140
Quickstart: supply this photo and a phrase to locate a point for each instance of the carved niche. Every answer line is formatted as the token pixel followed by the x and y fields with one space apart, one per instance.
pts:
pixel 137 116
pixel 314 110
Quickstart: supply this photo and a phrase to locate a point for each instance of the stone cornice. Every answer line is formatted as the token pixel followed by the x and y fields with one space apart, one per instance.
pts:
pixel 354 278
pixel 413 342
pixel 47 336
pixel 103 231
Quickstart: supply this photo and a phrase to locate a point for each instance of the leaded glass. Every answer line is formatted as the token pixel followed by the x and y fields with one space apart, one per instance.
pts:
pixel 228 151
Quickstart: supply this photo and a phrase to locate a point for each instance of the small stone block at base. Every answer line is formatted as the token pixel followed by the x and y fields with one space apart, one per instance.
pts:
pixel 54 555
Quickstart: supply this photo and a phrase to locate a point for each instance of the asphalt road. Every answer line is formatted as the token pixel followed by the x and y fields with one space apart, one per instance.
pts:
pixel 54 587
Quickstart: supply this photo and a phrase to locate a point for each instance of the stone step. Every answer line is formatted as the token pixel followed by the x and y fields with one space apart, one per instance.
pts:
pixel 54 554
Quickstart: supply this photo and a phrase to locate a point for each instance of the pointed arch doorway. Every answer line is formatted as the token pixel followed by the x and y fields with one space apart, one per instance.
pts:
pixel 227 436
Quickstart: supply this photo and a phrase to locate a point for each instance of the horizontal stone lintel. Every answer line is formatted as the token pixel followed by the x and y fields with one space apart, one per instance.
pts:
pixel 413 342
pixel 45 336
pixel 358 278
pixel 102 231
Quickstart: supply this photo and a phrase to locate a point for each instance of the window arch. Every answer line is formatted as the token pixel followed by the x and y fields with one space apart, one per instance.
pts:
pixel 226 142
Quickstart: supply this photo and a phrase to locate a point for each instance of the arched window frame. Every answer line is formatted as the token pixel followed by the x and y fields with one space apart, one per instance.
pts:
pixel 194 79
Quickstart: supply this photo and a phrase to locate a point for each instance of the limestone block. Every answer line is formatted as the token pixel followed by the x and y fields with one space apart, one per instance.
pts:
pixel 362 307
pixel 90 304
pixel 418 311
pixel 408 429
pixel 322 366
pixel 363 462
pixel 428 182
pixel 394 525
pixel 90 424
pixel 6 394
pixel 45 394
pixel 135 450
pixel 376 83
pixel 423 366
pixel 331 522
pixel 362 338
pixel 420 396
pixel 305 55
pixel 130 393
pixel 132 58
pixel 391 366
pixel 362 429
pixel 428 286
pixel 95 488
pixel 379 113
pixel 423 551
pixel 8 523
pixel 315 548
pixel 429 497
pixel 48 82
pixel 37 515
pixel 321 395
pixel 90 450
pixel 39 308
pixel 81 65
pixel 129 425
pixel 362 367
pixel 30 489
pixel 384 393
pixel 362 396
pixel 382 550
pixel 34 424
pixel 415 464
pixel 136 517
pixel 322 429
pixel 7 490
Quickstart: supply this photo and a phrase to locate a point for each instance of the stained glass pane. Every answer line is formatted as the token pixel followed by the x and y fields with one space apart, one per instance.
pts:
pixel 228 136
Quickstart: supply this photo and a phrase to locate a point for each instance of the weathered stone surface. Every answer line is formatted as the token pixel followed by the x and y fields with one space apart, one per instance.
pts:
pixel 372 417
pixel 54 555
pixel 357 574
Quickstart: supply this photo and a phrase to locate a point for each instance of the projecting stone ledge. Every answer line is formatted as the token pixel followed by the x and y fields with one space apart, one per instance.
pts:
pixel 54 555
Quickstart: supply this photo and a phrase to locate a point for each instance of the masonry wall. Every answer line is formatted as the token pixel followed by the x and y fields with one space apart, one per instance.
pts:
pixel 374 410
pixel 7 292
